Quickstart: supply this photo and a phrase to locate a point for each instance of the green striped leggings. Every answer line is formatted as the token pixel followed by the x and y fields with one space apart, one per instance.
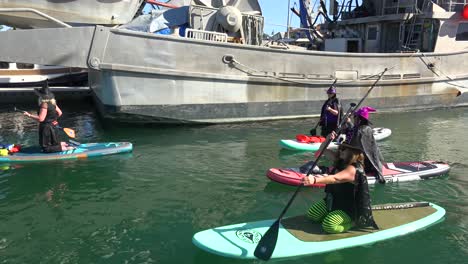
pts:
pixel 333 222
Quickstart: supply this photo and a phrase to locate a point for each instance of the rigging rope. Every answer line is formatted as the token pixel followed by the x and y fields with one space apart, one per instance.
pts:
pixel 430 67
pixel 234 62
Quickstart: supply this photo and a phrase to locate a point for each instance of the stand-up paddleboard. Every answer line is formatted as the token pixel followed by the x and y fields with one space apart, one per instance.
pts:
pixel 392 172
pixel 81 151
pixel 292 144
pixel 299 236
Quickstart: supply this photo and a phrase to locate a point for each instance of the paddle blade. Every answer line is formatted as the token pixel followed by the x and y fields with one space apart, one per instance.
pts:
pixel 313 132
pixel 70 132
pixel 267 244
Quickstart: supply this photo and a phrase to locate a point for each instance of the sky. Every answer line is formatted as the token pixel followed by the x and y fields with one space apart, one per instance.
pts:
pixel 275 13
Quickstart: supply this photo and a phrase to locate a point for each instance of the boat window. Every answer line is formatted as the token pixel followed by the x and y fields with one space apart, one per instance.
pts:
pixel 4 65
pixel 353 46
pixel 372 33
pixel 462 32
pixel 24 66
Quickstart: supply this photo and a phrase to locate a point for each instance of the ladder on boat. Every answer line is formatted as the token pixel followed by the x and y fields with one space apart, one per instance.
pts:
pixel 412 33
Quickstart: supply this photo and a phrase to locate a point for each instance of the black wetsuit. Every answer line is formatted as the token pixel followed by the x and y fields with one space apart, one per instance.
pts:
pixel 48 139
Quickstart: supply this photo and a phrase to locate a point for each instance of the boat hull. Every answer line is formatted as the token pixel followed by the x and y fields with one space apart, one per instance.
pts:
pixel 143 77
pixel 189 81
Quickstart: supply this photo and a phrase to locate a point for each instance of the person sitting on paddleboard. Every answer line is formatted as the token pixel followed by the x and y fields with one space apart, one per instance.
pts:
pixel 347 202
pixel 47 117
pixel 331 113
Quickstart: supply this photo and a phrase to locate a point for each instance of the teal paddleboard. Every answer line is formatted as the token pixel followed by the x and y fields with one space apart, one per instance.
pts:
pixel 299 236
pixel 81 151
pixel 292 144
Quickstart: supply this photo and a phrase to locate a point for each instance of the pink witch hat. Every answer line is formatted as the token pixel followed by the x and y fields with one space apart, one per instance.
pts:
pixel 364 112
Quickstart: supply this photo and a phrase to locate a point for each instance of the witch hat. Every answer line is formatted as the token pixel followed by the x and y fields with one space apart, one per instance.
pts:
pixel 44 92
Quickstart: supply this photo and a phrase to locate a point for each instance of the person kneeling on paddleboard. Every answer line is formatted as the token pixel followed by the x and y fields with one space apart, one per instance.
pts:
pixel 347 202
pixel 359 133
pixel 47 117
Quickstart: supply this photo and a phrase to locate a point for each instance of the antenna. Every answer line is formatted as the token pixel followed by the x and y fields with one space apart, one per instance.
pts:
pixel 288 24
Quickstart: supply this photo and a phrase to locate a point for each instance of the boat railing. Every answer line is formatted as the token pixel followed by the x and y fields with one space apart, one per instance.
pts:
pixel 206 35
pixel 391 7
pixel 451 5
pixel 39 13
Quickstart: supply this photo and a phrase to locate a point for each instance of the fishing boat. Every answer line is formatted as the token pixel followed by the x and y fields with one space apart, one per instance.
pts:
pixel 213 67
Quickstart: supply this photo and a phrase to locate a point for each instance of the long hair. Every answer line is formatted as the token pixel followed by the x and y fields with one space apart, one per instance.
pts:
pixel 353 156
pixel 362 121
pixel 47 101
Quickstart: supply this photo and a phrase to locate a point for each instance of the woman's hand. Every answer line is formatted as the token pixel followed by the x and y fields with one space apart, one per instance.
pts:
pixel 309 180
pixel 27 114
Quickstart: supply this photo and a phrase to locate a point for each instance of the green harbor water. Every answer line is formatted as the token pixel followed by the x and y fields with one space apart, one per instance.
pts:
pixel 145 207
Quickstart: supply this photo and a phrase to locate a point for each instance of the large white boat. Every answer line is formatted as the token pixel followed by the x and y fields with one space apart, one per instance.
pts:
pixel 218 70
pixel 32 75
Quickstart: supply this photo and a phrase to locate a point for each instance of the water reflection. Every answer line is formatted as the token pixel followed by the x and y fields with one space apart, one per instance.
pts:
pixel 145 206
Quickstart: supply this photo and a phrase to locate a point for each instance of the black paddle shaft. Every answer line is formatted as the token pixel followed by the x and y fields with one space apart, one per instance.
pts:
pixel 267 244
pixel 18 110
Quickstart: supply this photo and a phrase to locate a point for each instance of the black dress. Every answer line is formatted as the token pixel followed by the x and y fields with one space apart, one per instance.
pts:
pixel 329 121
pixel 48 139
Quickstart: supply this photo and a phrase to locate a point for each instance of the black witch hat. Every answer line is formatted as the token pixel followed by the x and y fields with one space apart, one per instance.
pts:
pixel 44 92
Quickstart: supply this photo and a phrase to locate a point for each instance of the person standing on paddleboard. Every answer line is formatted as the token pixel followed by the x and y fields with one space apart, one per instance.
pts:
pixel 347 202
pixel 47 116
pixel 331 113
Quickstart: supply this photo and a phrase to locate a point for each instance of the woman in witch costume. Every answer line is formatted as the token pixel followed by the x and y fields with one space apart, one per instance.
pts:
pixel 47 116
pixel 347 202
pixel 331 113
pixel 359 133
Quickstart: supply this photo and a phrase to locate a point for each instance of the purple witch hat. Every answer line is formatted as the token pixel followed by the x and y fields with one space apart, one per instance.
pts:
pixel 364 112
pixel 331 90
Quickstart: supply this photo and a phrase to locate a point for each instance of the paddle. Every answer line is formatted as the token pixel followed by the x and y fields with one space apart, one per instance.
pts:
pixel 70 132
pixel 267 243
pixel 313 131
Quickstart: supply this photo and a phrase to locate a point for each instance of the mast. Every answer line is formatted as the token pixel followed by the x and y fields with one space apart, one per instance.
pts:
pixel 288 23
